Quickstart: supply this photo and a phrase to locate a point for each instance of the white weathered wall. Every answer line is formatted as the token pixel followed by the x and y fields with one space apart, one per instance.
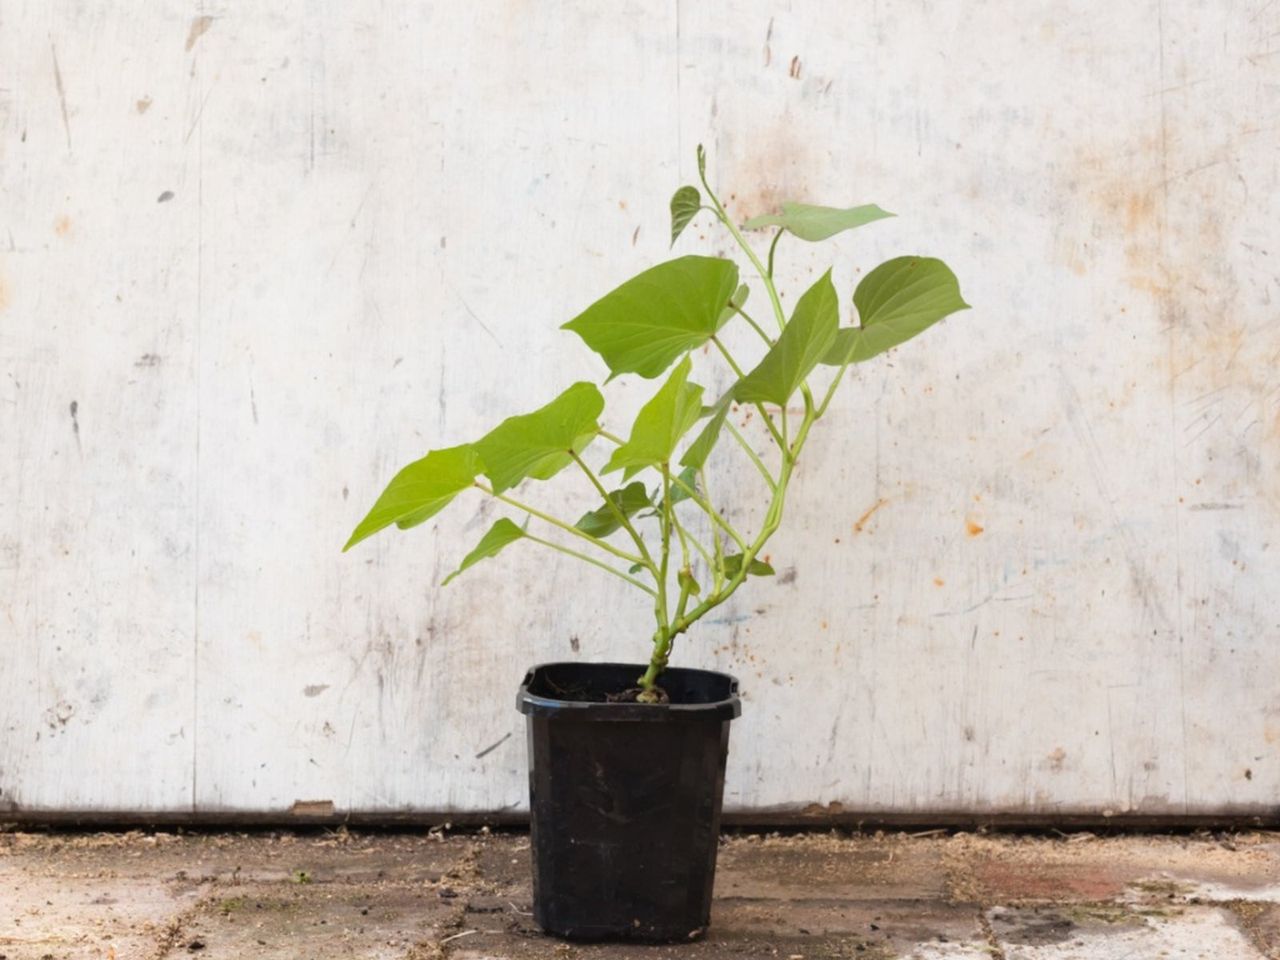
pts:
pixel 254 257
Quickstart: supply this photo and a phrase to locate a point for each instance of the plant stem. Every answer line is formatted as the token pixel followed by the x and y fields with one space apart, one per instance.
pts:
pixel 755 457
pixel 717 568
pixel 662 636
pixel 618 514
pixel 754 326
pixel 694 541
pixel 710 511
pixel 773 247
pixel 610 437
pixel 831 390
pixel 594 562
pixel 556 522
pixel 733 364
pixel 766 274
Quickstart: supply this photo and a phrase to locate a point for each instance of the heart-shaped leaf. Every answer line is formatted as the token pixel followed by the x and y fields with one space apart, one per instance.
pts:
pixel 537 444
pixel 896 301
pixel 502 533
pixel 603 521
pixel 420 491
pixel 655 317
pixel 801 346
pixel 660 423
pixel 814 223
pixel 685 205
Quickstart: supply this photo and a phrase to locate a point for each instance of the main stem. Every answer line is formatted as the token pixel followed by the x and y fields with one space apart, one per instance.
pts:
pixel 669 629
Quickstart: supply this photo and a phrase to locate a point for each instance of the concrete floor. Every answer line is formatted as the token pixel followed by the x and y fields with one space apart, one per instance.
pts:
pixel 126 896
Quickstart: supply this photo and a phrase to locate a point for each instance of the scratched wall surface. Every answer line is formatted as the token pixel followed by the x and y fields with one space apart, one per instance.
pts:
pixel 255 257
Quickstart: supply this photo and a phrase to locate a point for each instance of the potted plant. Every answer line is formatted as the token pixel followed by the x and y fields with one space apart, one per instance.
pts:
pixel 627 760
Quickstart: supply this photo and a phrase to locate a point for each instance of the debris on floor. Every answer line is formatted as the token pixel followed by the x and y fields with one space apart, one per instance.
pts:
pixel 796 897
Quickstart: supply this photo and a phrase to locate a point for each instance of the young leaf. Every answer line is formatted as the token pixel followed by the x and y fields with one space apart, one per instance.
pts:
pixel 687 583
pixel 813 223
pixel 895 301
pixel 653 318
pixel 800 347
pixel 420 491
pixel 660 423
pixel 503 532
pixel 703 444
pixel 537 444
pixel 758 568
pixel 603 521
pixel 689 478
pixel 684 207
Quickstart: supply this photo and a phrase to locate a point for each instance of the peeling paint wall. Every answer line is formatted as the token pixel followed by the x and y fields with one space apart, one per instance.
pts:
pixel 252 259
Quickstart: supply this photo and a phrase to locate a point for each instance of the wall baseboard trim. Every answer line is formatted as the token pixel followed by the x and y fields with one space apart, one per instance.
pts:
pixel 323 816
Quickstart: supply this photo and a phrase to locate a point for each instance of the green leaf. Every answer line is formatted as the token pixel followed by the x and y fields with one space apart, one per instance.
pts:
pixel 537 444
pixel 660 423
pixel 503 532
pixel 703 444
pixel 653 318
pixel 420 491
pixel 684 207
pixel 758 568
pixel 689 477
pixel 895 301
pixel 813 223
pixel 635 568
pixel 800 347
pixel 603 521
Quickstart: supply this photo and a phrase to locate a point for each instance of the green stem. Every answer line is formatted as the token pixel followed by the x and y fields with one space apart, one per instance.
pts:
pixel 733 364
pixel 766 274
pixel 772 247
pixel 755 457
pixel 594 562
pixel 754 326
pixel 610 437
pixel 557 522
pixel 696 543
pixel 717 568
pixel 662 636
pixel 710 511
pixel 618 514
pixel 831 390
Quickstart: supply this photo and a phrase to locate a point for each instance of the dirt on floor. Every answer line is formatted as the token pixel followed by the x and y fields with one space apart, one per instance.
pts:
pixel 467 896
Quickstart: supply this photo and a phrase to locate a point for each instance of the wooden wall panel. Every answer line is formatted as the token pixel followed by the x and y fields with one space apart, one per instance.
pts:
pixel 271 254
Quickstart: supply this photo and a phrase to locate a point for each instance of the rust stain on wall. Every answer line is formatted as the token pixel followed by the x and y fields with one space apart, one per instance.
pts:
pixel 867 515
pixel 759 169
pixel 199 26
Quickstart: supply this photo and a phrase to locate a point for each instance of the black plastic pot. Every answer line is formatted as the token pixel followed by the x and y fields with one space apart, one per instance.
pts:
pixel 625 799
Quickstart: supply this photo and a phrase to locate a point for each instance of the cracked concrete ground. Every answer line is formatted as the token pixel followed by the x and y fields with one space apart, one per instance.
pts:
pixel 803 897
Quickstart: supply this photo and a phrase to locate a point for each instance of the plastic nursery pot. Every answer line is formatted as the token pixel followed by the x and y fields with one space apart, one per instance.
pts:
pixel 625 799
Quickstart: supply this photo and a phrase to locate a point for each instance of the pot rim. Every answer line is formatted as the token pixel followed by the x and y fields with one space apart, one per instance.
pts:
pixel 534 705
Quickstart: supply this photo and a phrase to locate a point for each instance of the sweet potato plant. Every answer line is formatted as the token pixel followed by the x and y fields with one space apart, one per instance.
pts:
pixel 641 532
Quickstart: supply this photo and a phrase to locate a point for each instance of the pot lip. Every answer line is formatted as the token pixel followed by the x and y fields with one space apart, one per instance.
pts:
pixel 533 705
